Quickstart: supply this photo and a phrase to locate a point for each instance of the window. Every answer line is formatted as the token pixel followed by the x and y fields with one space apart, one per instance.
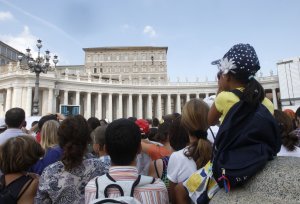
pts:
pixel 152 60
pixel 101 70
pixel 95 70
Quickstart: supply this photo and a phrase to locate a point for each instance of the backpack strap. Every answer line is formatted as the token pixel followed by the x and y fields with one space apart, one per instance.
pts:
pixel 126 188
pixel 16 186
pixel 155 167
pixel 238 93
pixel 25 188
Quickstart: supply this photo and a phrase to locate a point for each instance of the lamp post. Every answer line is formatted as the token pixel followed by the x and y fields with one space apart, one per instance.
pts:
pixel 37 65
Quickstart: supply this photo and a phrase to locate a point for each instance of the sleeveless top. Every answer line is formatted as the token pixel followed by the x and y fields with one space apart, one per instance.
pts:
pixel 11 193
pixel 163 176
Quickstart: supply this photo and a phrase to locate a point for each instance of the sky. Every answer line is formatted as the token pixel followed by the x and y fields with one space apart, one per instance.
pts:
pixel 196 32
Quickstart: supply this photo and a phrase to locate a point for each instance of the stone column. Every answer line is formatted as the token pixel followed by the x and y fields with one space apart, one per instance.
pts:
pixel 77 100
pixel 44 102
pixel 50 100
pixel 99 106
pixel 187 97
pixel 120 106
pixel 197 95
pixel 110 111
pixel 23 101
pixel 178 104
pixel 275 99
pixel 149 106
pixel 66 93
pixel 130 113
pixel 16 101
pixel 159 107
pixel 88 105
pixel 140 107
pixel 8 99
pixel 28 101
pixel 169 111
pixel 206 95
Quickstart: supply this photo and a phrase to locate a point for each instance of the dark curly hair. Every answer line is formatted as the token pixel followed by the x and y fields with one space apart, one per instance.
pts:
pixel 73 137
pixel 285 123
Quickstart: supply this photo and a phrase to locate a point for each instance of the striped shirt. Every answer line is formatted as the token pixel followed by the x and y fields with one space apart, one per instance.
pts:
pixel 155 193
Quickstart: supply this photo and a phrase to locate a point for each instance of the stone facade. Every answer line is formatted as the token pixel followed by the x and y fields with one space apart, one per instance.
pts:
pixel 139 88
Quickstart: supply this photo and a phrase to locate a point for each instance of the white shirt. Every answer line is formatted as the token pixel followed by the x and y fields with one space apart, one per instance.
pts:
pixel 284 152
pixel 180 167
pixel 9 133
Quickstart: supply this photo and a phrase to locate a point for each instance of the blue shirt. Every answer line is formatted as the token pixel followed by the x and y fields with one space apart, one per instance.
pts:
pixel 52 155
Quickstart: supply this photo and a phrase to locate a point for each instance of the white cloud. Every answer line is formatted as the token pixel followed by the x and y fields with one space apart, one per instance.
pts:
pixel 41 20
pixel 149 30
pixel 5 15
pixel 21 41
pixel 125 27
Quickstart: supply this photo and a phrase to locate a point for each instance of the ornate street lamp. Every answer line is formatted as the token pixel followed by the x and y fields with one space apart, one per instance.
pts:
pixel 37 65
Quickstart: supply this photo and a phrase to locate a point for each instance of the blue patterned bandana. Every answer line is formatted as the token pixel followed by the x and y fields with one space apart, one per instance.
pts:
pixel 241 59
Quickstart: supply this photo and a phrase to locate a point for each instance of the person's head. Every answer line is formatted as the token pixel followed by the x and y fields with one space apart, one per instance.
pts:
pixel 93 122
pixel 19 153
pixel 132 119
pixel 144 127
pixel 98 137
pixel 122 141
pixel 152 132
pixel 162 134
pixel 285 123
pixel 73 138
pixel 45 119
pixel 34 123
pixel 291 114
pixel 237 68
pixel 15 117
pixel 178 136
pixel 49 136
pixel 170 117
pixel 297 117
pixel 103 122
pixel 155 122
pixel 194 120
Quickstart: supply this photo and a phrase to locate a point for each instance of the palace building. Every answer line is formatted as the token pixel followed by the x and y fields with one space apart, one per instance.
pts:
pixel 114 82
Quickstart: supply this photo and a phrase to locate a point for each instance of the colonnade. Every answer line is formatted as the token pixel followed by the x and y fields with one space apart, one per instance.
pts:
pixel 109 105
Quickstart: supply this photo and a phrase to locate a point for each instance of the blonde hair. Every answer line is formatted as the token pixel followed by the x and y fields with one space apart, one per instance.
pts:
pixel 194 120
pixel 49 136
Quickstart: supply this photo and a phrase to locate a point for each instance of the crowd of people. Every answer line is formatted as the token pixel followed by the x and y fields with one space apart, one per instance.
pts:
pixel 77 160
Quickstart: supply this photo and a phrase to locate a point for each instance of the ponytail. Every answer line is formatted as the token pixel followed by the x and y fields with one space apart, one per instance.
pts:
pixel 253 93
pixel 200 151
pixel 73 155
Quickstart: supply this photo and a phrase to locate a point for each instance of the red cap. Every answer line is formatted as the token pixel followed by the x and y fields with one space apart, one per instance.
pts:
pixel 144 125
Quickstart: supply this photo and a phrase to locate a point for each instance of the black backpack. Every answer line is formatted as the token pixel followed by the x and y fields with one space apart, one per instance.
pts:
pixel 11 193
pixel 246 140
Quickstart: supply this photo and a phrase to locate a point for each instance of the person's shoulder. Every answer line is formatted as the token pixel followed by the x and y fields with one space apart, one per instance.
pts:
pixel 178 154
pixel 157 185
pixel 53 168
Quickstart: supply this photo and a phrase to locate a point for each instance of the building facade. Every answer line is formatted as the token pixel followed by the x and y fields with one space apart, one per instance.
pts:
pixel 113 83
pixel 8 54
pixel 289 81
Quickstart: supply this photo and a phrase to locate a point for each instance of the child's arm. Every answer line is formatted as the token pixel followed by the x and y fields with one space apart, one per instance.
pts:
pixel 213 115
